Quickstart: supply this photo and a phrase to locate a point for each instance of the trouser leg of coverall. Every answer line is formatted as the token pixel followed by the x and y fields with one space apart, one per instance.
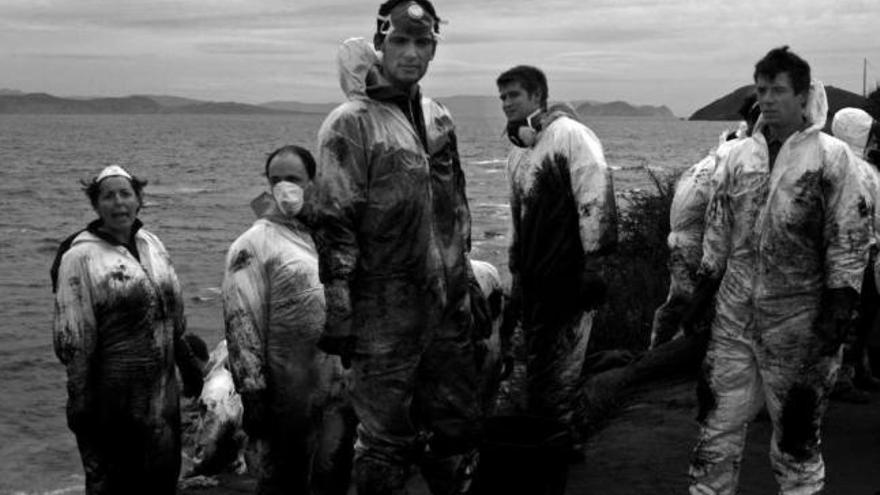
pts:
pixel 284 458
pixel 556 354
pixel 730 393
pixel 332 463
pixel 399 396
pixel 797 386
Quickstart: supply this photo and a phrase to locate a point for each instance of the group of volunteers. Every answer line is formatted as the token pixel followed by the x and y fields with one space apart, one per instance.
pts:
pixel 354 316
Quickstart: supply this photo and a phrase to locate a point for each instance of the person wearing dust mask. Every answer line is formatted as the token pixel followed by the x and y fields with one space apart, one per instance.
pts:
pixel 273 304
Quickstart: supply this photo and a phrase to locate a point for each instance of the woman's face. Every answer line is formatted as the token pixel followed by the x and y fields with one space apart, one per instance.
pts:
pixel 118 204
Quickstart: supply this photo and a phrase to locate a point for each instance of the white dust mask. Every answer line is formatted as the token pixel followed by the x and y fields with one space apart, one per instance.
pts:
pixel 289 198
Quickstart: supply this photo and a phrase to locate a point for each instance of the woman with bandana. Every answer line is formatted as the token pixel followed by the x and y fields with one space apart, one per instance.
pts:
pixel 273 303
pixel 118 329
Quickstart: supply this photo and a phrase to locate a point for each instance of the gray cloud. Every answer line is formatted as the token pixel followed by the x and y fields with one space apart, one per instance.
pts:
pixel 680 51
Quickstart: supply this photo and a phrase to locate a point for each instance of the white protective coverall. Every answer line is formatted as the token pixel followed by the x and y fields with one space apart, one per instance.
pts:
pixel 118 321
pixel 779 236
pixel 273 304
pixel 686 223
pixel 564 216
pixel 393 230
pixel 853 126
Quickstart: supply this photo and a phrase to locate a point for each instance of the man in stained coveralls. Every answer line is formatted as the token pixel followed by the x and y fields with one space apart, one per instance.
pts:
pixel 393 231
pixel 564 221
pixel 296 416
pixel 785 247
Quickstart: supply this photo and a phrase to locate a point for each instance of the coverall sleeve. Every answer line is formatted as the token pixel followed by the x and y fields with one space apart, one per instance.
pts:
pixel 515 212
pixel 340 193
pixel 245 310
pixel 718 233
pixel 189 366
pixel 593 190
pixel 75 330
pixel 847 227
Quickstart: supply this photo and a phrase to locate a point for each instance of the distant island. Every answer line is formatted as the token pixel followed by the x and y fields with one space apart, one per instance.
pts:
pixel 19 102
pixel 726 107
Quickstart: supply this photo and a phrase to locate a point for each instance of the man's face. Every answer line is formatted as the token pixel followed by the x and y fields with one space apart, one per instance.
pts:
pixel 780 106
pixel 405 57
pixel 516 102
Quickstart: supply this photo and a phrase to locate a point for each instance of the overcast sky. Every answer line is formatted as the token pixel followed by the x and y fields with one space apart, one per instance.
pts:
pixel 680 53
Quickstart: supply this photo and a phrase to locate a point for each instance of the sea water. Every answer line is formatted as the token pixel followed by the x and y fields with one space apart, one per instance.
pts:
pixel 202 173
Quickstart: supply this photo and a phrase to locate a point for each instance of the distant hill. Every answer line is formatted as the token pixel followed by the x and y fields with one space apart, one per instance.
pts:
pixel 726 107
pixel 623 109
pixel 299 107
pixel 227 107
pixel 173 101
pixel 42 103
pixel 461 106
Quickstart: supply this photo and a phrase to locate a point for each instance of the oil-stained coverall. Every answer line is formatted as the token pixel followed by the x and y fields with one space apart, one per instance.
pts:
pixel 393 230
pixel 780 236
pixel 564 218
pixel 686 223
pixel 853 126
pixel 118 321
pixel 273 303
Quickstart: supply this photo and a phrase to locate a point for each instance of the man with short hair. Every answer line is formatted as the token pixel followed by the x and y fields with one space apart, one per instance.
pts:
pixel 295 410
pixel 564 221
pixel 785 247
pixel 393 231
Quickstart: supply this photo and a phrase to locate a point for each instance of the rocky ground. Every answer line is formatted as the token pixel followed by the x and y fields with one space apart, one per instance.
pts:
pixel 643 448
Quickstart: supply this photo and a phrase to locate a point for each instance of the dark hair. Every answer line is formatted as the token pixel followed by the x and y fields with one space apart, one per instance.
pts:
pixel 532 79
pixel 303 154
pixel 92 188
pixel 386 8
pixel 779 60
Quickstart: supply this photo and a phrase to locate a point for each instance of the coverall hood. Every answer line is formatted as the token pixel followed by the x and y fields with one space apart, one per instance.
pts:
pixel 355 59
pixel 853 126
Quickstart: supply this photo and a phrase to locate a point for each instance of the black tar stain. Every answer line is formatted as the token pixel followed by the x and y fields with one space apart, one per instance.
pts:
pixel 339 148
pixel 241 260
pixel 800 423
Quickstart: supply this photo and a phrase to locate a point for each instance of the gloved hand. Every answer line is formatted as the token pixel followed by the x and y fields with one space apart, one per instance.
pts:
pixel 480 311
pixel 701 302
pixel 593 288
pixel 191 368
pixel 80 418
pixel 255 413
pixel 337 338
pixel 837 315
pixel 339 346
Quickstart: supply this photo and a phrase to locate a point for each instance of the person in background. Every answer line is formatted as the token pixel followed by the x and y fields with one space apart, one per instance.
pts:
pixel 564 222
pixel 118 329
pixel 862 133
pixel 785 249
pixel 392 225
pixel 293 394
pixel 686 222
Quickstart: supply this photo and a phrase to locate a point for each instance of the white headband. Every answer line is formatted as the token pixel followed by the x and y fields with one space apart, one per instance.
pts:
pixel 113 171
